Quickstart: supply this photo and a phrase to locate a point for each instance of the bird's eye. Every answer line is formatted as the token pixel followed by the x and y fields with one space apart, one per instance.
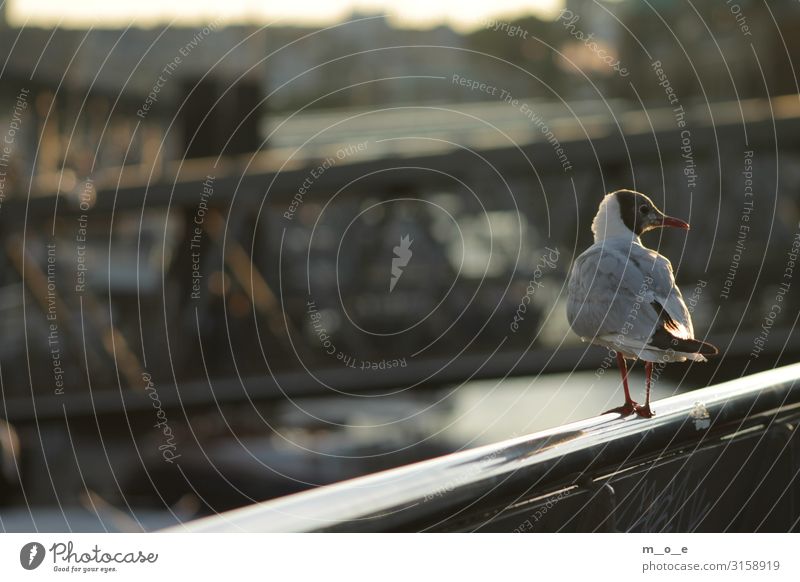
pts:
pixel 644 209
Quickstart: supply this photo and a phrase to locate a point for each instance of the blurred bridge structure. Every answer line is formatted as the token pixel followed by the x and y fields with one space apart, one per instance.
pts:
pixel 190 285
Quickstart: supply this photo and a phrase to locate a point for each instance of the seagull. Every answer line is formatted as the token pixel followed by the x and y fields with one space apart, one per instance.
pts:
pixel 622 295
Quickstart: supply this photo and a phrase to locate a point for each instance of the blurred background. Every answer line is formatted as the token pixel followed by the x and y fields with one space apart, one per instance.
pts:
pixel 252 251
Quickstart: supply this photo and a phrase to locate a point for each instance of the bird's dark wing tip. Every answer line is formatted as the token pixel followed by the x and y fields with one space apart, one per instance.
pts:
pixel 666 319
pixel 664 340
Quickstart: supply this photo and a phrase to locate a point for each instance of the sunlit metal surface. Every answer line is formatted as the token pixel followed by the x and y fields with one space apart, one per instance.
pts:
pixel 469 490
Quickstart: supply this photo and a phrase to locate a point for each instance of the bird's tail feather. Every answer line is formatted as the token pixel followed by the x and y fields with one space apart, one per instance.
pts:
pixel 694 346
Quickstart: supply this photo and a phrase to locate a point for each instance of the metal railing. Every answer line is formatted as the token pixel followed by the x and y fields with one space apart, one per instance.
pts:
pixel 721 458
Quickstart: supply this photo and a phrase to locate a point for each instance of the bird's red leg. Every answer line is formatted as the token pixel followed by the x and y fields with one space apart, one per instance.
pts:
pixel 644 411
pixel 629 405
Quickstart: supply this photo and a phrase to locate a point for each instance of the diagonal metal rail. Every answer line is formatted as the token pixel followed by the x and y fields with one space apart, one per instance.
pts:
pixel 473 489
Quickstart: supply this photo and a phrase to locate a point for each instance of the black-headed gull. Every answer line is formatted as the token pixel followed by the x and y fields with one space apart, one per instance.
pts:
pixel 623 296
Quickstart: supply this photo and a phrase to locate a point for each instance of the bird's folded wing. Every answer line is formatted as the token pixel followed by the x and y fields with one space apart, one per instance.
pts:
pixel 609 294
pixel 667 294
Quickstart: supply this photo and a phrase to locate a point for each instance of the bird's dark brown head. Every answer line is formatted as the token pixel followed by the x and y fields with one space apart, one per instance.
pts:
pixel 640 214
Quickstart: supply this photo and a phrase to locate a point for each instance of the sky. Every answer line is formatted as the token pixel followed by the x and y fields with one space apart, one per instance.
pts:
pixel 460 14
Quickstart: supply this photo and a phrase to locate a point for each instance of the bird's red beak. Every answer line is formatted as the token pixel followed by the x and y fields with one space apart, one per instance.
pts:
pixel 674 223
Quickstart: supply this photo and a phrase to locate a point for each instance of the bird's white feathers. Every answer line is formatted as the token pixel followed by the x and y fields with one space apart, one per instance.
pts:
pixel 608 222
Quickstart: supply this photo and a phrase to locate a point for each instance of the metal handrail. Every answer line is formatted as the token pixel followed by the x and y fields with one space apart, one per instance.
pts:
pixel 425 495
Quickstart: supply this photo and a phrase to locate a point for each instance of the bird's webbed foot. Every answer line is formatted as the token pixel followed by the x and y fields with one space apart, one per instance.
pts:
pixel 625 410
